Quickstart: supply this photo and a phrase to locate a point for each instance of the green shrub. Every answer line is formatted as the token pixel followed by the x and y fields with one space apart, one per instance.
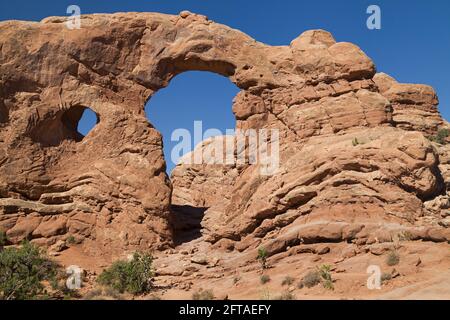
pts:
pixel 264 279
pixel 441 136
pixel 393 258
pixel 311 279
pixel 203 295
pixel 71 240
pixel 262 257
pixel 23 271
pixel 287 281
pixel 132 276
pixel 314 277
pixel 327 280
pixel 328 284
pixel 386 277
pixel 325 274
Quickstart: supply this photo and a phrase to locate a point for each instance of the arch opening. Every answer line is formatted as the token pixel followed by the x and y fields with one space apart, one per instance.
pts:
pixel 88 120
pixel 72 124
pixel 192 96
pixel 195 104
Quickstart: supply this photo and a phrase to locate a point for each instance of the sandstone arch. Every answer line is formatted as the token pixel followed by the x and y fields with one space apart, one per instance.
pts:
pixel 111 190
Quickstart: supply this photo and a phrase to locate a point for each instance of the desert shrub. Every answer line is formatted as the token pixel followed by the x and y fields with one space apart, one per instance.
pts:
pixel 134 276
pixel 264 279
pixel 325 274
pixel 355 142
pixel 393 258
pixel 23 271
pixel 386 277
pixel 3 238
pixel 286 295
pixel 71 240
pixel 262 257
pixel 441 135
pixel 321 275
pixel 328 284
pixel 203 295
pixel 310 280
pixel 287 281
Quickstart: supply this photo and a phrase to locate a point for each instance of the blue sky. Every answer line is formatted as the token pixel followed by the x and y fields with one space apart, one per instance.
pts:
pixel 413 45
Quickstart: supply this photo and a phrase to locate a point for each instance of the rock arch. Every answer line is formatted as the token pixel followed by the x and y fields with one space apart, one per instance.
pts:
pixel 112 192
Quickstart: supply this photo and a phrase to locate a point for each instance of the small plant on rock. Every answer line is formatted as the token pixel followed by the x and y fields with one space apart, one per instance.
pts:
pixel 287 281
pixel 386 277
pixel 441 136
pixel 321 275
pixel 393 258
pixel 355 142
pixel 311 279
pixel 264 279
pixel 71 240
pixel 262 257
pixel 325 274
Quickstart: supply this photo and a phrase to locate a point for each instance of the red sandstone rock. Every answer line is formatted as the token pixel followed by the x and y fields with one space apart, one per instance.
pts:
pixel 354 161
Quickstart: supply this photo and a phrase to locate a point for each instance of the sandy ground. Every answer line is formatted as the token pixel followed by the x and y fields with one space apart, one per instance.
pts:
pixel 423 272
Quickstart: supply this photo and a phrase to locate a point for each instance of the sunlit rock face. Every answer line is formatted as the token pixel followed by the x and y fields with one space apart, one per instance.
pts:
pixel 354 160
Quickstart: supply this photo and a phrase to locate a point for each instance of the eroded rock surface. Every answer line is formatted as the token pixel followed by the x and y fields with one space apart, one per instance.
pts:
pixel 355 161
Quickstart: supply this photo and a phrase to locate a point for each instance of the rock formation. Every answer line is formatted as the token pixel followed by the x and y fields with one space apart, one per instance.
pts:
pixel 355 161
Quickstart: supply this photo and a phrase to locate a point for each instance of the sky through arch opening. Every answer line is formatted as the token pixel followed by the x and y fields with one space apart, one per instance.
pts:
pixel 193 96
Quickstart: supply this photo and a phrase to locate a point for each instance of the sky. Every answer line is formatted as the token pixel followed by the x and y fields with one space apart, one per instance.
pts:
pixel 413 46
